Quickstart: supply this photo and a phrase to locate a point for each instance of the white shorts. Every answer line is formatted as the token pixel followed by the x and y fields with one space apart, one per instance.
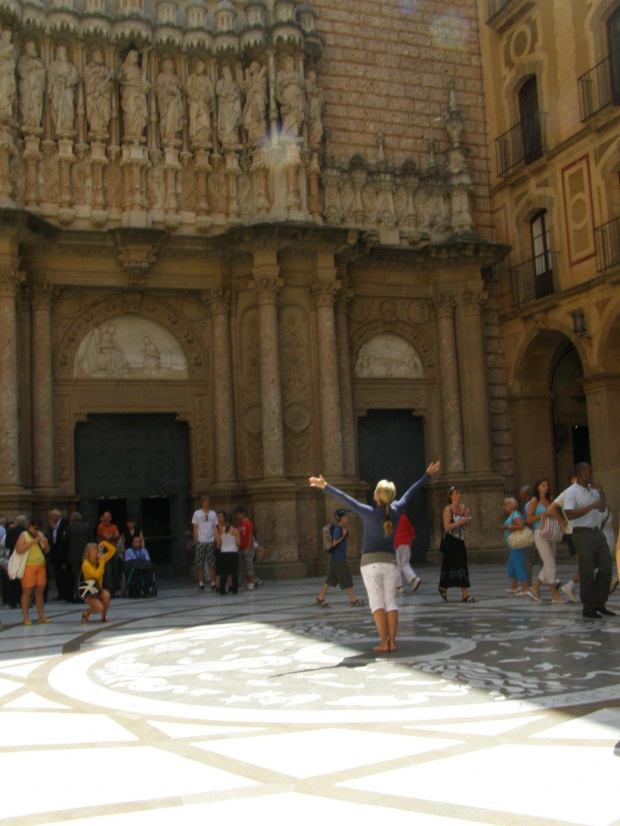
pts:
pixel 380 581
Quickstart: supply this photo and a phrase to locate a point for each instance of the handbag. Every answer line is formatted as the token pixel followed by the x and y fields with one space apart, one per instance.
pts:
pixel 517 540
pixel 17 565
pixel 551 529
pixel 450 543
pixel 88 588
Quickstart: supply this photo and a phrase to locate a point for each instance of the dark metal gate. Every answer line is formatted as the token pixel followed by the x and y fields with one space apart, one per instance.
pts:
pixel 391 446
pixel 137 465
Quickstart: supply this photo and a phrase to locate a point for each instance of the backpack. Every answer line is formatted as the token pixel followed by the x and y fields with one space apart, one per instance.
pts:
pixel 327 537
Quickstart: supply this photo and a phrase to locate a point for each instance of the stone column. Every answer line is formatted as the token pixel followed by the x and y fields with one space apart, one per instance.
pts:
pixel 267 284
pixel 10 280
pixel 42 390
pixel 603 398
pixel 349 463
pixel 323 294
pixel 223 399
pixel 443 305
pixel 473 382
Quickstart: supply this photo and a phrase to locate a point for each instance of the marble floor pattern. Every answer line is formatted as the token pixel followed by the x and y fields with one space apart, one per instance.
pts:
pixel 263 706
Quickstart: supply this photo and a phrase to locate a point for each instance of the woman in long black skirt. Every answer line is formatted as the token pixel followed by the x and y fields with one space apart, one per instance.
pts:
pixel 454 570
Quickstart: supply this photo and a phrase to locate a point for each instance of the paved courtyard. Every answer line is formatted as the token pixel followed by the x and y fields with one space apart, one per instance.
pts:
pixel 266 707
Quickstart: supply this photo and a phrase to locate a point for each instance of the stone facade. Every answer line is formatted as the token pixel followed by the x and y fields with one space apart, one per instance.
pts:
pixel 550 74
pixel 265 218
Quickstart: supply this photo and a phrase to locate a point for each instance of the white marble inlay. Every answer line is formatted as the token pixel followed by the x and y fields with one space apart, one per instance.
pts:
pixel 485 728
pixel 154 775
pixel 300 809
pixel 8 686
pixel 486 780
pixel 21 668
pixel 32 700
pixel 310 753
pixel 49 728
pixel 177 731
pixel 600 725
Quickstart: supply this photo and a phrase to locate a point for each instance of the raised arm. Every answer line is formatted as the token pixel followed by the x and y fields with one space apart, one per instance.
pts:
pixel 431 470
pixel 357 507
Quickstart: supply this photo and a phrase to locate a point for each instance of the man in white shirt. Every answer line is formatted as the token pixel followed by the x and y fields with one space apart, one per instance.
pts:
pixel 206 534
pixel 582 507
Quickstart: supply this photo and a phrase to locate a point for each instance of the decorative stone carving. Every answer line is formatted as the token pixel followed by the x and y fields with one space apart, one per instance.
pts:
pixel 8 84
pixel 155 179
pixel 169 94
pixel 290 94
pixel 62 78
pixel 388 356
pixel 50 173
pixel 98 87
pixel 254 115
pixel 314 96
pixel 31 73
pixel 201 103
pixel 130 347
pixel 229 110
pixel 134 89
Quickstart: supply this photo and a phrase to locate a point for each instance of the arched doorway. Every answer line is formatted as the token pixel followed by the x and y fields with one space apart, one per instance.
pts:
pixel 549 410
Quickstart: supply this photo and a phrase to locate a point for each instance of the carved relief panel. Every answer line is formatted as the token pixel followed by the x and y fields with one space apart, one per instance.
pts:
pixel 296 388
pixel 251 413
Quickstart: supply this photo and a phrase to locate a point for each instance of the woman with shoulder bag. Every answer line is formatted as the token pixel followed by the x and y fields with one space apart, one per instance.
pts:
pixel 91 579
pixel 35 546
pixel 516 532
pixel 454 570
pixel 539 506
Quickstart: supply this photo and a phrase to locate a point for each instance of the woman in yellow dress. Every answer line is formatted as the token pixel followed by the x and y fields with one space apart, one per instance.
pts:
pixel 91 590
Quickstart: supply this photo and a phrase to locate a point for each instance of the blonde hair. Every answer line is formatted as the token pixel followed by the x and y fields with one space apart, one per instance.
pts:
pixel 386 492
pixel 86 553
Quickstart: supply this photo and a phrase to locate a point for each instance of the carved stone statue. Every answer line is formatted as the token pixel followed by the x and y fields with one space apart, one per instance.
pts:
pixel 290 95
pixel 315 111
pixel 254 112
pixel 62 78
pixel 134 89
pixel 31 73
pixel 169 93
pixel 229 110
pixel 98 83
pixel 152 357
pixel 8 84
pixel 201 104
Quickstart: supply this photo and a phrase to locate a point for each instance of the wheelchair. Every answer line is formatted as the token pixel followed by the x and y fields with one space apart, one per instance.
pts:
pixel 139 579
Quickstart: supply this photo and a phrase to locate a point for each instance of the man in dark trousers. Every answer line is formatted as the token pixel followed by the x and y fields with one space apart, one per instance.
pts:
pixel 77 536
pixel 57 556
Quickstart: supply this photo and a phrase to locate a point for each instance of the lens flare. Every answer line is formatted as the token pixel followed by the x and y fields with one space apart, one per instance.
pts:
pixel 408 6
pixel 450 31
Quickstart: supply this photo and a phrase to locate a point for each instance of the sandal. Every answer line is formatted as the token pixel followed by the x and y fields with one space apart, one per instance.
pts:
pixel 469 598
pixel 322 603
pixel 85 616
pixel 443 593
pixel 358 603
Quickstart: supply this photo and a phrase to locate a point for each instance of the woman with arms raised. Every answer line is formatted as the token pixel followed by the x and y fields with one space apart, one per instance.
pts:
pixel 378 562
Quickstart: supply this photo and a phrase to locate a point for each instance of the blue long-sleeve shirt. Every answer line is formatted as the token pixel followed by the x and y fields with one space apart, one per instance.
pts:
pixel 376 543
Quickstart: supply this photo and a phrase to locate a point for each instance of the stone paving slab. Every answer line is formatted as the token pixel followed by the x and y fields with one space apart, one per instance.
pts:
pixel 264 705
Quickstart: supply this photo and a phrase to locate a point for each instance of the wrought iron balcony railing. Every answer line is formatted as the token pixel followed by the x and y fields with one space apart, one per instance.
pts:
pixel 534 278
pixel 600 86
pixel 494 7
pixel 607 245
pixel 525 142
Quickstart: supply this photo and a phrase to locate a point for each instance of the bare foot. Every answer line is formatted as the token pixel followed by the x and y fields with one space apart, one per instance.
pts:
pixel 383 648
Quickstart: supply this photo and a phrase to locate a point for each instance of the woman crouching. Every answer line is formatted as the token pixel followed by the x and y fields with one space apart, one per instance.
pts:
pixel 90 587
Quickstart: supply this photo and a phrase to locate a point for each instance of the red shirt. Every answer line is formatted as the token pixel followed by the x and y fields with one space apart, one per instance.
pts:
pixel 405 532
pixel 107 533
pixel 246 529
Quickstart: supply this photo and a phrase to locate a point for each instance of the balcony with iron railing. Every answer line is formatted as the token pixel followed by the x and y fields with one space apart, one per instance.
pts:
pixel 607 238
pixel 600 86
pixel 534 278
pixel 524 142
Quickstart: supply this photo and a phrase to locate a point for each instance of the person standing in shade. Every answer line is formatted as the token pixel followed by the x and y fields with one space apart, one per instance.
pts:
pixel 229 556
pixel 540 505
pixel 403 537
pixel 33 543
pixel 582 506
pixel 454 570
pixel 246 548
pixel 339 572
pixel 378 562
pixel 516 568
pixel 206 536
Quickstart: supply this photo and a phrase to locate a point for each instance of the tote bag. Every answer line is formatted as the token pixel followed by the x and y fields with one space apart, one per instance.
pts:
pixel 520 539
pixel 551 529
pixel 17 565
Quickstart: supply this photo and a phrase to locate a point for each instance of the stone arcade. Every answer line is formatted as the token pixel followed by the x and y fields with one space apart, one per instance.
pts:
pixel 198 226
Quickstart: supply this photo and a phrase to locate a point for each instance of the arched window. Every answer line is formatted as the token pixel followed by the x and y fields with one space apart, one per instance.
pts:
pixel 613 44
pixel 531 132
pixel 541 253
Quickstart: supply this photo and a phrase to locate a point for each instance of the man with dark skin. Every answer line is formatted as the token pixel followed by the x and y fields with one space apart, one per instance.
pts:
pixel 582 506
